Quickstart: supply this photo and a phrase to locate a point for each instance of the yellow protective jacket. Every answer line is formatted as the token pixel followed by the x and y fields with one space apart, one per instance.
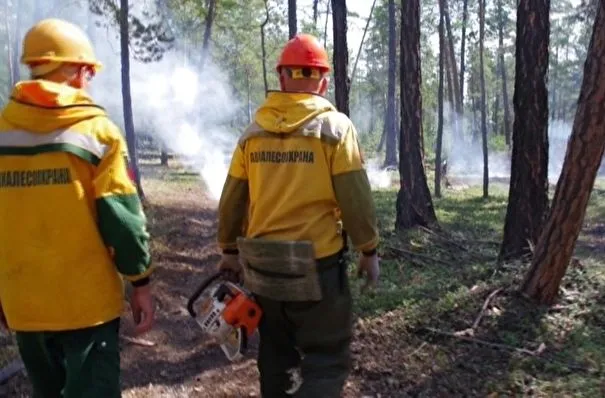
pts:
pixel 296 173
pixel 71 218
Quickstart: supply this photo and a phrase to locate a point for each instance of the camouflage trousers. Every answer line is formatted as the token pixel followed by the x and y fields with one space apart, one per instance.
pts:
pixel 308 341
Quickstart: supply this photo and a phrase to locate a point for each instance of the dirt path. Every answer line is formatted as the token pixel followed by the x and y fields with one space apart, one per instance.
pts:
pixel 181 363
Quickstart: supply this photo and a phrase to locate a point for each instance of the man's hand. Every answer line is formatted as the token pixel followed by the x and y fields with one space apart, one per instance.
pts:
pixel 141 302
pixel 369 265
pixel 3 323
pixel 231 267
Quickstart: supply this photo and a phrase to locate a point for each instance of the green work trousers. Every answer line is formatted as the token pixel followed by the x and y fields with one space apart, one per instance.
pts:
pixel 83 363
pixel 311 337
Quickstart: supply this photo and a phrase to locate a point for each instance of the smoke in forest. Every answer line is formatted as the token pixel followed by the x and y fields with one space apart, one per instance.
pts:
pixel 186 108
pixel 465 157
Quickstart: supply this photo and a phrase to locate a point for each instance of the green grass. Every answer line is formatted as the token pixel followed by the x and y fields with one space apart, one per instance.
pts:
pixel 446 289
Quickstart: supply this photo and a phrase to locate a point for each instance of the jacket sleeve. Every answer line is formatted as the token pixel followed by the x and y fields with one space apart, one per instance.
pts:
pixel 353 192
pixel 233 204
pixel 121 221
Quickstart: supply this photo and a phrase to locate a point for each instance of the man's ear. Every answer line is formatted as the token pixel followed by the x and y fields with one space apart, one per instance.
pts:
pixel 323 85
pixel 282 83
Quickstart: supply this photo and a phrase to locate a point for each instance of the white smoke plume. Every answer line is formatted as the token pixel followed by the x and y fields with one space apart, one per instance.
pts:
pixel 379 178
pixel 465 158
pixel 189 111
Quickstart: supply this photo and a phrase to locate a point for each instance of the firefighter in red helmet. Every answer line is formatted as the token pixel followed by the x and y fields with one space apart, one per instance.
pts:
pixel 296 179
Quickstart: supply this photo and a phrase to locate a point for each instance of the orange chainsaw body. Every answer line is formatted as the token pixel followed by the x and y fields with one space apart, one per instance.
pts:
pixel 242 311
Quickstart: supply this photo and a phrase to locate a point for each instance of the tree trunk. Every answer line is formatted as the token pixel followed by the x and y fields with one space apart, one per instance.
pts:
pixel 126 98
pixel 17 40
pixel 584 153
pixel 315 5
pixel 208 30
pixel 505 102
pixel 292 21
pixel 440 108
pixel 262 45
pixel 365 30
pixel 462 49
pixel 450 89
pixel 248 92
pixel 371 123
pixel 326 23
pixel 528 192
pixel 341 55
pixel 483 100
pixel 452 60
pixel 9 40
pixel 414 202
pixel 391 139
pixel 475 124
pixel 495 118
pixel 163 155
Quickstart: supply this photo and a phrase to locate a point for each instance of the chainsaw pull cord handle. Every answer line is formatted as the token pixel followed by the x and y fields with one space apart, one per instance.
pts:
pixel 198 292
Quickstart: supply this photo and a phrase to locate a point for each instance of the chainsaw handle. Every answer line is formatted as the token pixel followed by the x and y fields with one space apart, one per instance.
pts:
pixel 198 292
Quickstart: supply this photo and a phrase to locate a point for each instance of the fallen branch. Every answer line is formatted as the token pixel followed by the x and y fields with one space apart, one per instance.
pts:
pixel 417 350
pixel 137 341
pixel 419 255
pixel 11 370
pixel 483 241
pixel 484 308
pixel 444 239
pixel 525 351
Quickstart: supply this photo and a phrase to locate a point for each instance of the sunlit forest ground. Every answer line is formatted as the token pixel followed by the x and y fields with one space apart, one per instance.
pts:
pixel 446 320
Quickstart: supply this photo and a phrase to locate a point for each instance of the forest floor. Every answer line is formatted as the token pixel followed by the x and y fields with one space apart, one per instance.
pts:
pixel 444 322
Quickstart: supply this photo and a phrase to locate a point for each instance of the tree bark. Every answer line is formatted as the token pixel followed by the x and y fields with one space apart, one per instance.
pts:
pixel 208 30
pixel 440 108
pixel 315 5
pixel 391 139
pixel 505 102
pixel 341 55
pixel 584 153
pixel 528 192
pixel 483 100
pixel 292 20
pixel 126 97
pixel 414 202
pixel 462 48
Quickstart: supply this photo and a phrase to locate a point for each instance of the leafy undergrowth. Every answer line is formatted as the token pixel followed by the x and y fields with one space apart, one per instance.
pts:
pixel 444 321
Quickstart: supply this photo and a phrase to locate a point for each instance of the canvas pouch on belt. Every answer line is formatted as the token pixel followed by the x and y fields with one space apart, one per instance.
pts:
pixel 280 270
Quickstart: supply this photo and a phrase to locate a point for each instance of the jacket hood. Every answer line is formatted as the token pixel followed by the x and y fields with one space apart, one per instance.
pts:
pixel 44 106
pixel 285 112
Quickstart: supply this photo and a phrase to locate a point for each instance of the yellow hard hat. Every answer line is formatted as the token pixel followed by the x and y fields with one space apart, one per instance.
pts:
pixel 56 41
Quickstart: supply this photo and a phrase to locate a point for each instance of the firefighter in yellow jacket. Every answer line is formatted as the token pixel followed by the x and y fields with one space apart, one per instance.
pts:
pixel 296 178
pixel 72 223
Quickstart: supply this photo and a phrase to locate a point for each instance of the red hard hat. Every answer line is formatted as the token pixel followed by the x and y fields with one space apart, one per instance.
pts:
pixel 304 50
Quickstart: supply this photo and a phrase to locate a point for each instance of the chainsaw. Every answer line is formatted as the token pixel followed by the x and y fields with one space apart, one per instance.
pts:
pixel 226 312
